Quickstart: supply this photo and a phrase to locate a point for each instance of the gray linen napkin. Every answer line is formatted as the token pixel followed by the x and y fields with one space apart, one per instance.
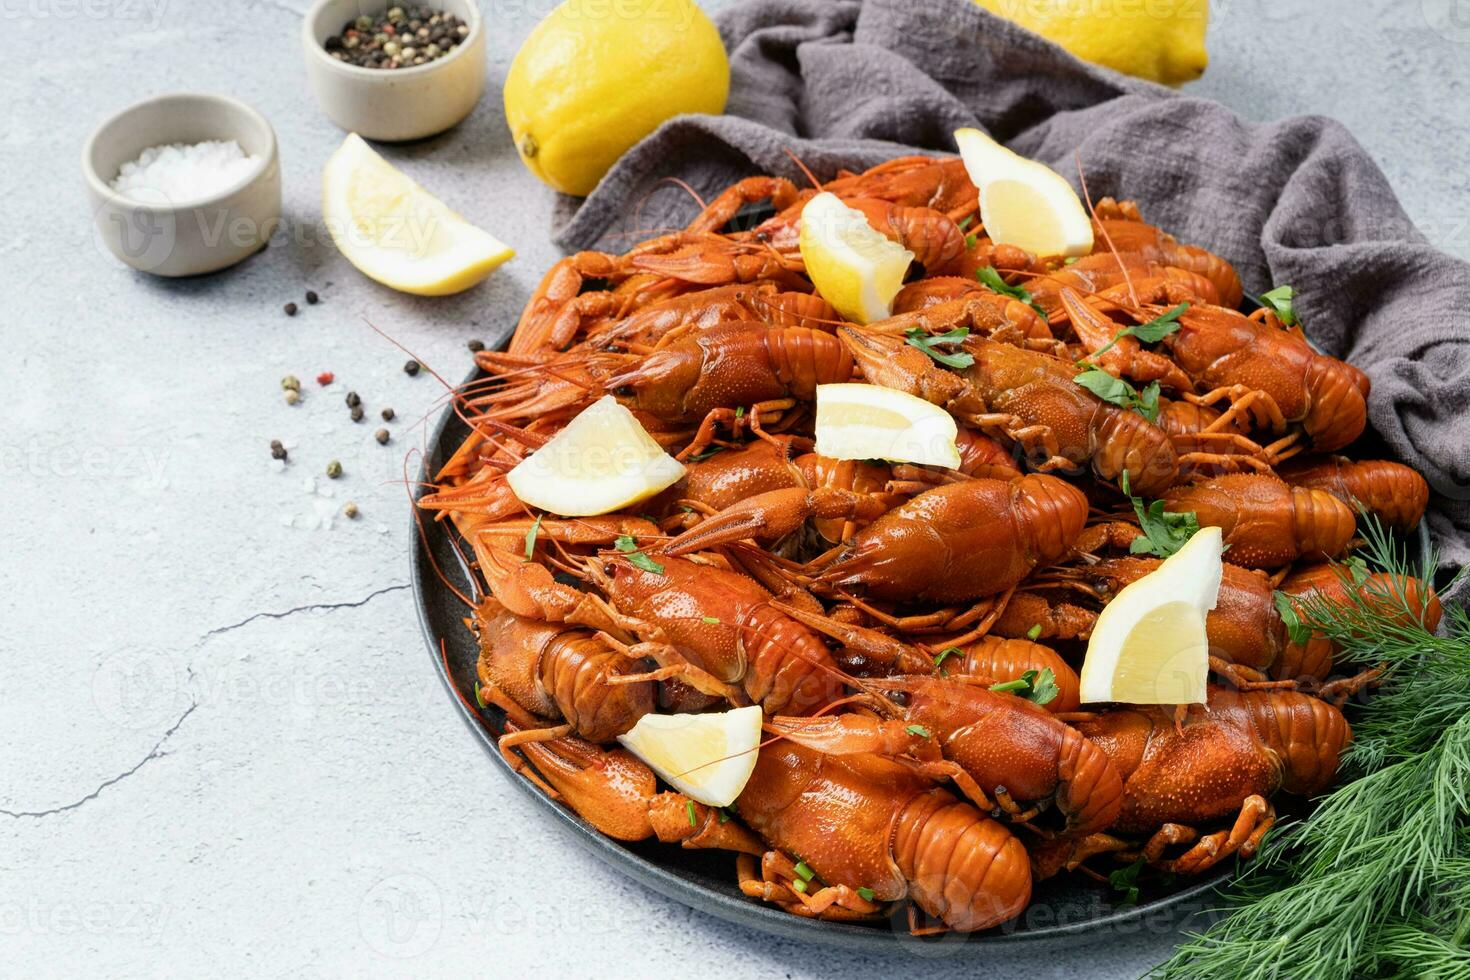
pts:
pixel 1299 201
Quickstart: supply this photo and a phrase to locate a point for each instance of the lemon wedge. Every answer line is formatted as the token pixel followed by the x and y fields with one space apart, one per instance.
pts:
pixel 602 461
pixel 852 265
pixel 1022 202
pixel 396 232
pixel 706 757
pixel 862 421
pixel 1149 645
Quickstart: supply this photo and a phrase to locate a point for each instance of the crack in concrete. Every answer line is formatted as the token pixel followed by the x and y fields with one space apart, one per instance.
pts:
pixel 155 753
pixel 306 608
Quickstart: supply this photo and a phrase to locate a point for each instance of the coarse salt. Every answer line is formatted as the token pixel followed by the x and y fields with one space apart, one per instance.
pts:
pixel 184 172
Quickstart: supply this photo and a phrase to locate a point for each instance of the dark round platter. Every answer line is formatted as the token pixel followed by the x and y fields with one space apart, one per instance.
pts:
pixel 1062 909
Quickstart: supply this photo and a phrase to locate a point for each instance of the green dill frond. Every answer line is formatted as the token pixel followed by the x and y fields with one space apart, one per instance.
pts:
pixel 1375 882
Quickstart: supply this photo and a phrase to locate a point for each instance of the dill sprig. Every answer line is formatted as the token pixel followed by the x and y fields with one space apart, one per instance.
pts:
pixel 1375 882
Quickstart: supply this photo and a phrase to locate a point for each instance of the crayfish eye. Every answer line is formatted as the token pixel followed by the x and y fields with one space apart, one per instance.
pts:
pixel 623 391
pixel 609 569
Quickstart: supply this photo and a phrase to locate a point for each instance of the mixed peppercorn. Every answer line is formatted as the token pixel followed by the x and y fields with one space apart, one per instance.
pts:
pixel 402 37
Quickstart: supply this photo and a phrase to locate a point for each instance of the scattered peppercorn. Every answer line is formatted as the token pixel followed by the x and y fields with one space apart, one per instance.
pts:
pixel 292 396
pixel 325 378
pixel 387 415
pixel 334 469
pixel 382 436
pixel 312 298
pixel 278 451
pixel 350 509
pixel 357 413
pixel 291 383
pixel 353 400
pixel 411 368
pixel 290 309
pixel 476 345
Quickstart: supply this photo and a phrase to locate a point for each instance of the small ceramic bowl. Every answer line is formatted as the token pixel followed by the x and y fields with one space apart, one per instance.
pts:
pixel 183 237
pixel 393 104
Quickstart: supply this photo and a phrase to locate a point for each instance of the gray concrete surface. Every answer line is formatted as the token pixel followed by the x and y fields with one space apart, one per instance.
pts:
pixel 222 748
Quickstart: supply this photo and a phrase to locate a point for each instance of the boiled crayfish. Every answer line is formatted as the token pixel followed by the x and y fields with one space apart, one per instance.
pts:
pixel 913 633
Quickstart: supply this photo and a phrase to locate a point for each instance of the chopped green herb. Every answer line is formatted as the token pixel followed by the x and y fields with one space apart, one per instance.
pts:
pixel 1118 392
pixel 1034 632
pixel 531 537
pixel 740 411
pixel 960 360
pixel 972 239
pixel 689 809
pixel 799 886
pixel 1148 402
pixel 479 698
pixel 1296 630
pixel 940 657
pixel 1125 880
pixel 724 815
pixel 1358 567
pixel 969 220
pixel 866 894
pixel 918 730
pixel 1282 301
pixel 638 559
pixel 701 457
pixel 1040 687
pixel 992 281
pixel 712 620
pixel 1151 332
pixel 1044 689
pixel 1163 533
pixel 805 871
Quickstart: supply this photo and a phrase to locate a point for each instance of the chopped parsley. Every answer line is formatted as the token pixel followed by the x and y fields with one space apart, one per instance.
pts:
pixel 1118 392
pixel 1037 686
pixel 1282 300
pixel 1163 533
pixel 992 281
pixel 1125 880
pixel 1296 630
pixel 1151 332
pixel 940 657
pixel 926 343
pixel 636 558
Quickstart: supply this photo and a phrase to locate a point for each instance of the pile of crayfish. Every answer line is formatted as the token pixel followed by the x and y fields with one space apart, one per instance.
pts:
pixel 890 618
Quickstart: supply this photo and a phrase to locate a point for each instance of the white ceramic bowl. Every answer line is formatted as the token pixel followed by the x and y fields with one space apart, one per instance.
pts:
pixel 401 103
pixel 183 237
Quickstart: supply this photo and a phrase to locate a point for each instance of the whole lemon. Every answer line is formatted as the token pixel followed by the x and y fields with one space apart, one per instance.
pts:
pixel 596 76
pixel 1161 40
